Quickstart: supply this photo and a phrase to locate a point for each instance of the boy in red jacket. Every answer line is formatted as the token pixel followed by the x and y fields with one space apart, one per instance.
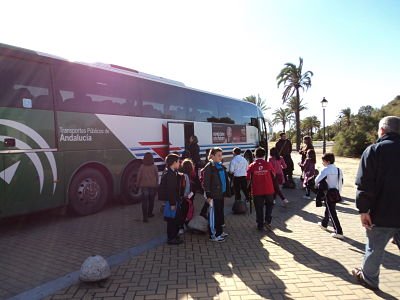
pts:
pixel 261 175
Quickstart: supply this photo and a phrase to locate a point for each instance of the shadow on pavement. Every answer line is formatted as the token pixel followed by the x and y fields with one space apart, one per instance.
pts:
pixel 390 260
pixel 310 258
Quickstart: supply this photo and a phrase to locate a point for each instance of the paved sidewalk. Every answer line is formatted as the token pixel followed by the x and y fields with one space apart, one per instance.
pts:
pixel 296 261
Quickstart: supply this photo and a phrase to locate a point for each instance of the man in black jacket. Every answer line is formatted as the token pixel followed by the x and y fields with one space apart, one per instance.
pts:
pixel 284 147
pixel 378 198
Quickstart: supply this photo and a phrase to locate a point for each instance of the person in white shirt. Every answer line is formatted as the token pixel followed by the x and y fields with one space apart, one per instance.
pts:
pixel 238 168
pixel 334 179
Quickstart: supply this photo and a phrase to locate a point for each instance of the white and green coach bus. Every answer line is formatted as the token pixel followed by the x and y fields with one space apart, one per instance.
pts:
pixel 75 133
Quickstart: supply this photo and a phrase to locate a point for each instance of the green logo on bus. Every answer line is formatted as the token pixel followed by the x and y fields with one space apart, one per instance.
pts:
pixel 8 173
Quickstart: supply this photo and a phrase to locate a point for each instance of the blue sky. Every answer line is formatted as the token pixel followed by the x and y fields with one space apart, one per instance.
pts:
pixel 235 48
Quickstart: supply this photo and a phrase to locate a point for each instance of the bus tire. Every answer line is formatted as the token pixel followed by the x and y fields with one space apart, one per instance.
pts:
pixel 131 194
pixel 88 192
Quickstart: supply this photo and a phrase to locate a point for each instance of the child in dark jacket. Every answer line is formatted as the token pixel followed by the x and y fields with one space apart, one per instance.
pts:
pixel 216 185
pixel 308 167
pixel 169 191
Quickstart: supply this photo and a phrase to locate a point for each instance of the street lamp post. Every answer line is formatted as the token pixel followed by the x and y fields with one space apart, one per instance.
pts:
pixel 324 104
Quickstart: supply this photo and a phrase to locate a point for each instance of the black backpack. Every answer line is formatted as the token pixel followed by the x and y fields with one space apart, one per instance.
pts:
pixel 162 188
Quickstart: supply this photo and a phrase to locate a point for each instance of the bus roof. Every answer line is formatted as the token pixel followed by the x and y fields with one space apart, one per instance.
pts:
pixel 108 67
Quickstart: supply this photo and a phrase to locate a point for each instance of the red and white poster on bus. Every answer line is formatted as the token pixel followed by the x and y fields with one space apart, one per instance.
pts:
pixel 226 133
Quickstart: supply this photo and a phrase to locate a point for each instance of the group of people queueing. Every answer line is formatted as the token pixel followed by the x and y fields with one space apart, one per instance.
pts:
pixel 377 190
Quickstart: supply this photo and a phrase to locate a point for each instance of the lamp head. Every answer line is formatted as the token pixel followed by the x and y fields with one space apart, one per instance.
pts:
pixel 324 103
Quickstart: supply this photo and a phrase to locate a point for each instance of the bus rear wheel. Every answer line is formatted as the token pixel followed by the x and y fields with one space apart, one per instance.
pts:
pixel 131 194
pixel 88 192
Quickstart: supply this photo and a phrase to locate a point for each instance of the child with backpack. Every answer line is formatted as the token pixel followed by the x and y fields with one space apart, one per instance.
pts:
pixel 187 178
pixel 333 178
pixel 278 164
pixel 147 181
pixel 169 192
pixel 308 167
pixel 260 175
pixel 216 185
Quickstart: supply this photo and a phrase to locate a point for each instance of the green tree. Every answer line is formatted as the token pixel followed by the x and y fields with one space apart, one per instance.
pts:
pixel 292 104
pixel 346 115
pixel 309 124
pixel 282 115
pixel 261 103
pixel 293 79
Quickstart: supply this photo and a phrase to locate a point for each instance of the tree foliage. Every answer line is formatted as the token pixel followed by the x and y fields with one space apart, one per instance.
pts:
pixel 257 100
pixel 309 124
pixel 293 79
pixel 282 116
pixel 356 132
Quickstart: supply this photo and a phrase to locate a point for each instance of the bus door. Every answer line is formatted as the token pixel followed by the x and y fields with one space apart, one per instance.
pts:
pixel 28 171
pixel 179 135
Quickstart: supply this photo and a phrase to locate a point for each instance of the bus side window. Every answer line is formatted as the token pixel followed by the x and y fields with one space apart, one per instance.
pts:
pixel 23 82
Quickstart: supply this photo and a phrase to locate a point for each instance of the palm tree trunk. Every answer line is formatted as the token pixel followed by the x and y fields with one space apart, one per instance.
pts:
pixel 297 114
pixel 284 126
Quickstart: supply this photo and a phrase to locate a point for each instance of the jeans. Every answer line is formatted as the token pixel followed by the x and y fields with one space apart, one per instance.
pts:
pixel 377 239
pixel 148 201
pixel 260 202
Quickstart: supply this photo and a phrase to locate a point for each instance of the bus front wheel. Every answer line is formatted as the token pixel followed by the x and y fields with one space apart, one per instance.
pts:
pixel 88 192
pixel 130 192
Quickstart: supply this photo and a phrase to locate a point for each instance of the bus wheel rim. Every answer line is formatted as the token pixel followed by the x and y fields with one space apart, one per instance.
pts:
pixel 89 191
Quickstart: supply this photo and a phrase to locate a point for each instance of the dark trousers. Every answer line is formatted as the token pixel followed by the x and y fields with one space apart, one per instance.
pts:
pixel 260 202
pixel 148 201
pixel 240 184
pixel 330 213
pixel 182 212
pixel 216 217
pixel 204 211
pixel 288 172
pixel 172 229
pixel 279 192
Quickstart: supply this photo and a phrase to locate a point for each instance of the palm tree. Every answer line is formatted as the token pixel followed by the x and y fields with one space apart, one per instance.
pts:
pixel 261 103
pixel 292 104
pixel 309 124
pixel 346 114
pixel 294 79
pixel 282 115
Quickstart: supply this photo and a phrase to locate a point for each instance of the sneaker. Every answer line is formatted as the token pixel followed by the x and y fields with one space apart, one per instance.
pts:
pixel 337 236
pixel 181 231
pixel 306 197
pixel 285 202
pixel 224 235
pixel 268 227
pixel 150 215
pixel 322 227
pixel 358 275
pixel 218 239
pixel 223 225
